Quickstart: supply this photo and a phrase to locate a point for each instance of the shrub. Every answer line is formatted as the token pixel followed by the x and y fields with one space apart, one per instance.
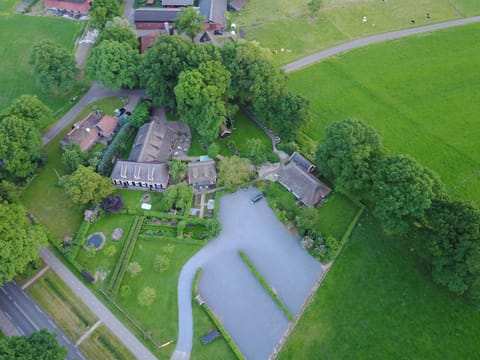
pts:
pixel 125 291
pixel 146 296
pixel 180 228
pixel 161 263
pixel 111 251
pixel 134 269
pixel 112 204
pixel 168 249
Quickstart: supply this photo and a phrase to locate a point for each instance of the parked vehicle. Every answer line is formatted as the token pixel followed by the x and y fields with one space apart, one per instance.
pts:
pixel 218 32
pixel 256 198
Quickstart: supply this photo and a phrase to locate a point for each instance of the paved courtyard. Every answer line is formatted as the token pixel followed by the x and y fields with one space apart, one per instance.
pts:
pixel 248 313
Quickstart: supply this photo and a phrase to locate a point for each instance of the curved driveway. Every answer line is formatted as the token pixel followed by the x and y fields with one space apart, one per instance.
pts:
pixel 375 39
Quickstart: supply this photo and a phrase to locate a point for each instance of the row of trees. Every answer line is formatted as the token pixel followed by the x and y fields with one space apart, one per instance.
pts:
pixel 203 82
pixel 405 193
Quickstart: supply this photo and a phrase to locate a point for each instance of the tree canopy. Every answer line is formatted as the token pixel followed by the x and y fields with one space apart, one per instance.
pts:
pixel 19 241
pixel 29 108
pixel 20 148
pixel 234 170
pixel 41 345
pixel 53 66
pixel 189 22
pixel 291 113
pixel 85 186
pixel 454 242
pixel 114 64
pixel 119 29
pixel 103 11
pixel 403 190
pixel 349 155
pixel 161 66
pixel 200 101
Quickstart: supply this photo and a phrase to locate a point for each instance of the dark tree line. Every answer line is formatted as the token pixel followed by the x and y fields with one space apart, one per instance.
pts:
pixel 404 194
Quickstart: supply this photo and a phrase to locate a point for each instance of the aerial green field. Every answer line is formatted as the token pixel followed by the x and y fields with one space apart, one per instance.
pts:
pixel 379 302
pixel 288 24
pixel 422 93
pixel 18 33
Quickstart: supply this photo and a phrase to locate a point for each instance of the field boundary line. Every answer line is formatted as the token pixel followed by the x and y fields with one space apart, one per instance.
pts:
pixel 88 332
pixel 35 277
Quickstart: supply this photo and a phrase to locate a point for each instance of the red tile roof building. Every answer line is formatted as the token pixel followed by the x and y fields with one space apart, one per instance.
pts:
pixel 81 6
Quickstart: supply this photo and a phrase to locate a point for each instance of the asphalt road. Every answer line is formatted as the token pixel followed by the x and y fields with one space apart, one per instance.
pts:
pixel 374 39
pixel 19 307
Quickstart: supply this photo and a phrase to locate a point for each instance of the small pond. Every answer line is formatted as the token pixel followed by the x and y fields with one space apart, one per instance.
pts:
pixel 97 240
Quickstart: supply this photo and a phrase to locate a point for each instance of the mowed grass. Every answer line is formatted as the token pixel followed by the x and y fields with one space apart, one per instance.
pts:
pixel 289 24
pixel 422 93
pixel 379 302
pixel 18 33
pixel 44 198
pixel 335 215
pixel 243 129
pixel 7 5
pixel 101 261
pixel 160 318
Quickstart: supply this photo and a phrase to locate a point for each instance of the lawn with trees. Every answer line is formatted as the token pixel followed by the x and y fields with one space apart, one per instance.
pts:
pixel 377 86
pixel 16 74
pixel 292 25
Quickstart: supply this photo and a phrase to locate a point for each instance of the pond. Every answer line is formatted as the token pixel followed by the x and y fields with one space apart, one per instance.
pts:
pixel 97 240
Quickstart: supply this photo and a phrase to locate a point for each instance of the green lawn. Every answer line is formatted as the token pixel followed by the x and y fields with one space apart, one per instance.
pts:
pixel 7 5
pixel 44 199
pixel 102 344
pixel 18 33
pixel 289 25
pixel 244 129
pixel 420 92
pixel 335 215
pixel 379 302
pixel 160 319
pixel 101 261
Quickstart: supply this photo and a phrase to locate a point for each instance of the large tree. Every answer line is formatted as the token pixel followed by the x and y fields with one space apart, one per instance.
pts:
pixel 31 109
pixel 403 190
pixel 189 22
pixel 41 345
pixel 103 11
pixel 114 64
pixel 85 186
pixel 73 157
pixel 119 29
pixel 349 155
pixel 454 242
pixel 53 66
pixel 19 241
pixel 234 171
pixel 200 97
pixel 20 148
pixel 161 66
pixel 291 113
pixel 256 80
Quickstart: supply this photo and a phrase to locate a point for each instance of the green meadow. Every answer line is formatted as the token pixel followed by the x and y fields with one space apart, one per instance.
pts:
pixel 422 93
pixel 288 24
pixel 18 33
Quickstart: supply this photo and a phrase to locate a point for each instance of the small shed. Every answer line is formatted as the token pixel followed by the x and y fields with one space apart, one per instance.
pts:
pixel 205 37
pixel 224 131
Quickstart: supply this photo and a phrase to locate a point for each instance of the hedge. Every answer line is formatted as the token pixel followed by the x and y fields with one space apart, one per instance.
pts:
pixel 125 256
pixel 265 285
pixel 78 241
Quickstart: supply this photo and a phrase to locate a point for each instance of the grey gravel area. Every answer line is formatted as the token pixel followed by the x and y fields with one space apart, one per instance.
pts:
pixel 248 313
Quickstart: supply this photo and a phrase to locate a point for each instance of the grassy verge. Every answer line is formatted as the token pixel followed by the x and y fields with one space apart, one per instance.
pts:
pixel 102 344
pixel 379 302
pixel 265 285
pixel 56 298
pixel 58 214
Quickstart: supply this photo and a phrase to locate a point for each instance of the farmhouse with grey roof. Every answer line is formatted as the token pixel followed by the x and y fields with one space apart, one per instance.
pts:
pixel 140 175
pixel 297 178
pixel 155 18
pixel 214 12
pixel 202 174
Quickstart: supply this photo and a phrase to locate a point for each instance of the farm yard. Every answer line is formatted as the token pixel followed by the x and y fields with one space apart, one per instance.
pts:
pixel 290 25
pixel 382 85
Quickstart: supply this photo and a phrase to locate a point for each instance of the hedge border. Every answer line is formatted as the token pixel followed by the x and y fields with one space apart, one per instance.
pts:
pixel 265 285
